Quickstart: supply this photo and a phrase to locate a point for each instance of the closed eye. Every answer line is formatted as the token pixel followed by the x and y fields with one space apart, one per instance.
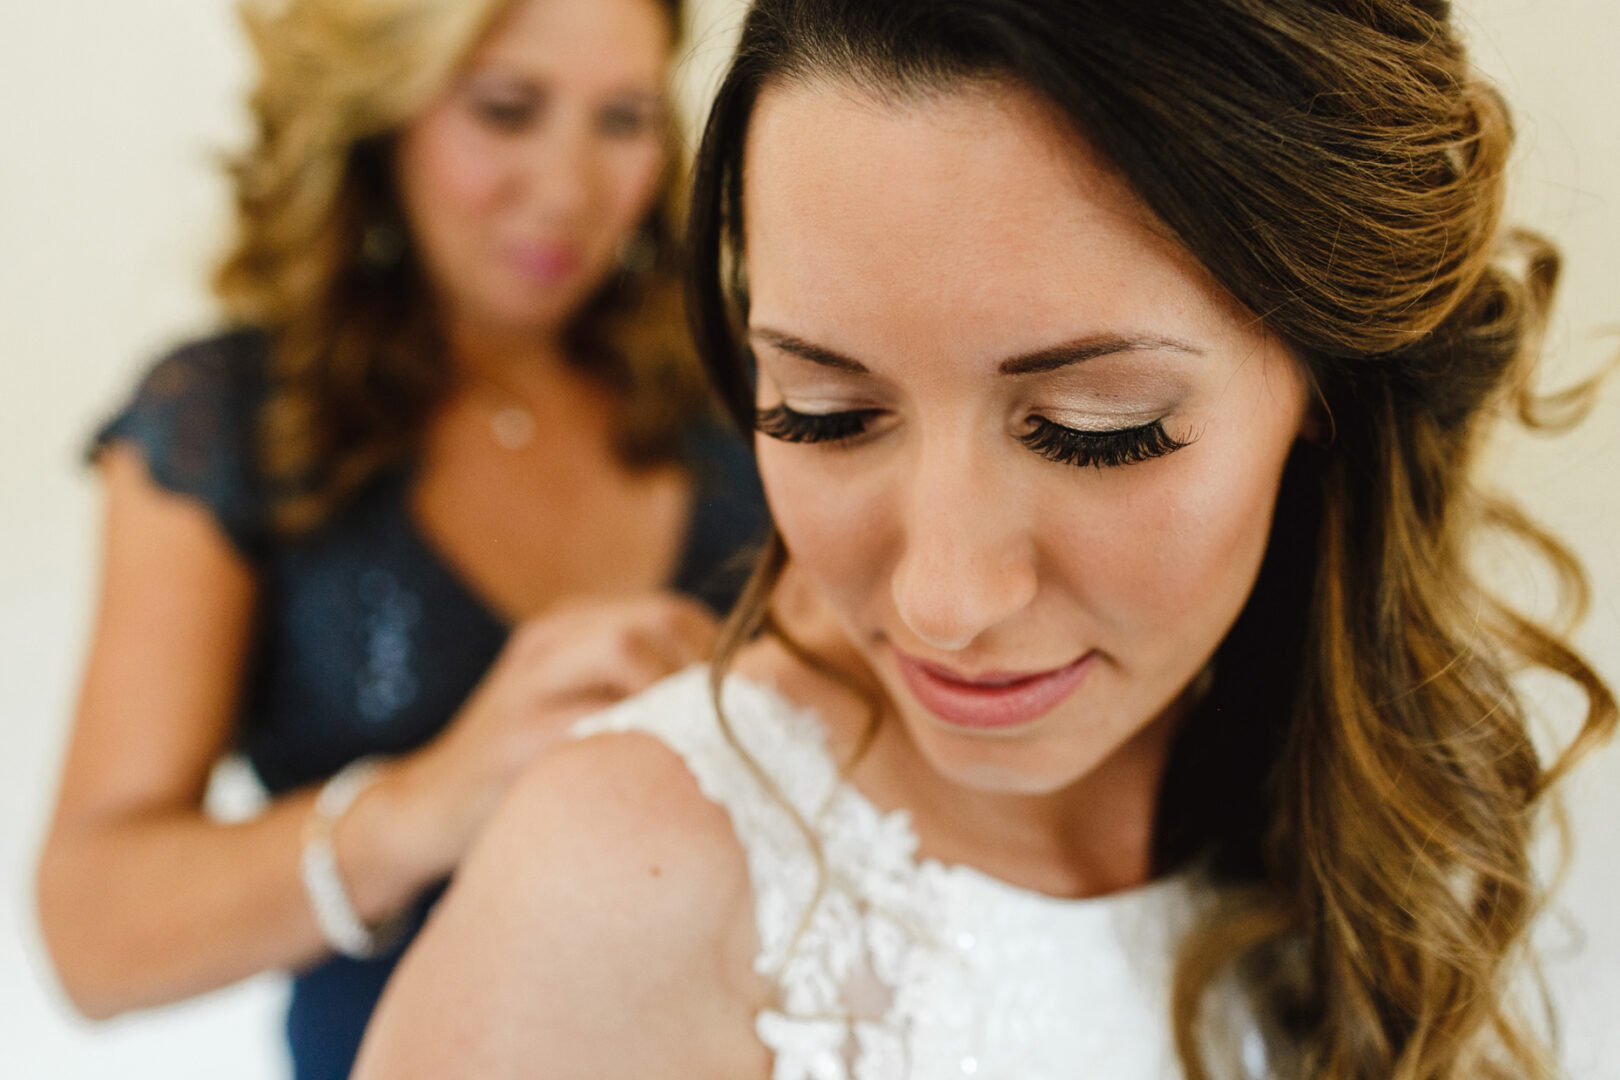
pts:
pixel 789 425
pixel 1055 442
pixel 628 121
pixel 1099 449
pixel 506 114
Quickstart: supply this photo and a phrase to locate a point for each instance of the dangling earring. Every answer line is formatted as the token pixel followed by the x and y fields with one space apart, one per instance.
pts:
pixel 638 253
pixel 382 245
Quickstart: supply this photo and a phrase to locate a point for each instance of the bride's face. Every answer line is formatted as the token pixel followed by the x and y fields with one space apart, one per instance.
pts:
pixel 1015 437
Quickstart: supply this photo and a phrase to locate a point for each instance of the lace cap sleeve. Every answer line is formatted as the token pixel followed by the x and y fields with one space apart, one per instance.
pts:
pixel 192 419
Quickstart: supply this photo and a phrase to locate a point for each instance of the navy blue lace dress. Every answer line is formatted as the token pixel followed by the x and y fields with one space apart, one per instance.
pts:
pixel 367 642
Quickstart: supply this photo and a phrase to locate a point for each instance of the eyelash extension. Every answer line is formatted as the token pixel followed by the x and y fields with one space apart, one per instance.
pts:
pixel 1064 445
pixel 781 422
pixel 1099 449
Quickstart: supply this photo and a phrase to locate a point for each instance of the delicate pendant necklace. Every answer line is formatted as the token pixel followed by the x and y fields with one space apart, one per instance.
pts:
pixel 512 427
pixel 512 423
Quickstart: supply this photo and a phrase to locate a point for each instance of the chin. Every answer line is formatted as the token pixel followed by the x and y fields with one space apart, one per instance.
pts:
pixel 516 306
pixel 994 765
pixel 527 313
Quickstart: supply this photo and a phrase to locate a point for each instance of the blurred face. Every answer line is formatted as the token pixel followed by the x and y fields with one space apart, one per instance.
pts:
pixel 1019 442
pixel 523 179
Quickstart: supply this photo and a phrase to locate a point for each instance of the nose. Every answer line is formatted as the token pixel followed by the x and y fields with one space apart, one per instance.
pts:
pixel 967 560
pixel 561 171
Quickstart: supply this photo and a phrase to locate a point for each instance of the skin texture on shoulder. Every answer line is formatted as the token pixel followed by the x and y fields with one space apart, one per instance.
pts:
pixel 602 927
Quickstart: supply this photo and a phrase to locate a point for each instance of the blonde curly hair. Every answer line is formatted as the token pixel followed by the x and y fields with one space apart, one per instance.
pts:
pixel 357 363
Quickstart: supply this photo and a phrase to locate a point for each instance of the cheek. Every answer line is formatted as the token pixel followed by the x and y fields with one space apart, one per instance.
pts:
pixel 630 180
pixel 450 176
pixel 1198 549
pixel 1166 570
pixel 835 527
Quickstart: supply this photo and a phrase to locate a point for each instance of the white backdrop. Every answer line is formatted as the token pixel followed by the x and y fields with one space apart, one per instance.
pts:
pixel 111 115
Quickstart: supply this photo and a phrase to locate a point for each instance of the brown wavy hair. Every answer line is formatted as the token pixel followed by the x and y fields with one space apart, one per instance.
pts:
pixel 322 259
pixel 1361 776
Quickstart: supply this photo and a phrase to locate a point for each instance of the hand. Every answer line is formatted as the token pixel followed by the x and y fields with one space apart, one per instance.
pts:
pixel 575 660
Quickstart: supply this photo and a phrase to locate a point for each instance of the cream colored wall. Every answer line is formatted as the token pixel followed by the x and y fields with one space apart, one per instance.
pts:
pixel 1555 62
pixel 110 208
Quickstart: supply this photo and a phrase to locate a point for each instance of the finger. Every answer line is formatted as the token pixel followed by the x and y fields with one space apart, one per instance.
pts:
pixel 543 728
pixel 684 629
pixel 679 629
pixel 572 618
pixel 617 661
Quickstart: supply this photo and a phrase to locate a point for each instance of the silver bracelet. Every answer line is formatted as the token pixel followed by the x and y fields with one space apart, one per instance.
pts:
pixel 339 922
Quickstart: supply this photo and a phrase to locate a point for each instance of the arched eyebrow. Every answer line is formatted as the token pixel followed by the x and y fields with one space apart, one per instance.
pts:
pixel 1035 363
pixel 804 350
pixel 1078 352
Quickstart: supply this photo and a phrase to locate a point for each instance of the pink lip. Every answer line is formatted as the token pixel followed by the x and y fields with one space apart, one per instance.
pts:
pixel 547 263
pixel 990 699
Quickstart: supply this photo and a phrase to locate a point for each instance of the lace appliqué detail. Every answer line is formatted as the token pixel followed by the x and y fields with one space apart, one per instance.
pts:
pixel 842 1013
pixel 836 936
pixel 891 968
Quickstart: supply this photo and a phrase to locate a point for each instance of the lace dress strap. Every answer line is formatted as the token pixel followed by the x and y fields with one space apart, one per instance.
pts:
pixel 834 880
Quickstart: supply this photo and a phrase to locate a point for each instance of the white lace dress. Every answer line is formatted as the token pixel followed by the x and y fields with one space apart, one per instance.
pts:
pixel 890 967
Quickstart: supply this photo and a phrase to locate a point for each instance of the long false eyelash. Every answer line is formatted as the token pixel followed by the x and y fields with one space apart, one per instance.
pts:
pixel 1100 449
pixel 781 422
pixel 1055 442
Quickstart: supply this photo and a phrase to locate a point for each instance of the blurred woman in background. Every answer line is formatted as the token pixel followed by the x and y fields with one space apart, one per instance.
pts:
pixel 449 482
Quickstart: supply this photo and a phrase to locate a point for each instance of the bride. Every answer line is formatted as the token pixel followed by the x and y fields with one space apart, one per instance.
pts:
pixel 1115 699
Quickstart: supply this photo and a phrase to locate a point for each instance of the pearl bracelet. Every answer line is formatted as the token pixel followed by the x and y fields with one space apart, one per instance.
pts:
pixel 339 922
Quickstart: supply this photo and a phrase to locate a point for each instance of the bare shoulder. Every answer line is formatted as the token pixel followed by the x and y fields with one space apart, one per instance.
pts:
pixel 624 812
pixel 602 927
